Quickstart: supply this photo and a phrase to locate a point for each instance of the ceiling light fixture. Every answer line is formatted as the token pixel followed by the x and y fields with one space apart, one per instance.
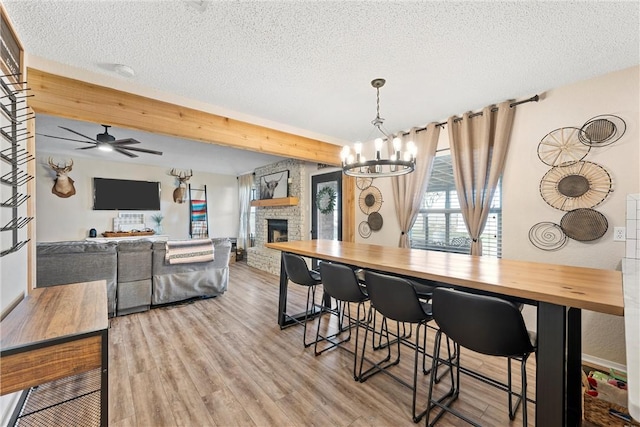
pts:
pixel 398 163
pixel 124 70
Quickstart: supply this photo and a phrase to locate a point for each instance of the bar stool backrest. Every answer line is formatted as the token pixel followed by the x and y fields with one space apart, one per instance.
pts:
pixel 340 282
pixel 297 270
pixel 481 323
pixel 394 298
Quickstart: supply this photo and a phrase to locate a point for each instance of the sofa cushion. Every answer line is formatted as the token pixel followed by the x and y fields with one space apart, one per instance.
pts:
pixel 134 261
pixel 60 263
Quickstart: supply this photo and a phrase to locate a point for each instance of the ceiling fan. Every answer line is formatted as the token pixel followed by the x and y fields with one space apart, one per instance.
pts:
pixel 106 142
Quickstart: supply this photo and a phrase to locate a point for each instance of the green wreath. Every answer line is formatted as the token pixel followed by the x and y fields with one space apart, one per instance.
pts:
pixel 326 200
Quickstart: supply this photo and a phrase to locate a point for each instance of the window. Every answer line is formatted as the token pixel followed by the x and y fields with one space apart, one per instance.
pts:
pixel 440 226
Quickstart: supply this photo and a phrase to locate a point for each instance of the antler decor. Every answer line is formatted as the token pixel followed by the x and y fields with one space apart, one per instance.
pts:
pixel 63 186
pixel 179 194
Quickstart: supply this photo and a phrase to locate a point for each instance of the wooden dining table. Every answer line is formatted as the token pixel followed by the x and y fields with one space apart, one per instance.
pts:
pixel 559 293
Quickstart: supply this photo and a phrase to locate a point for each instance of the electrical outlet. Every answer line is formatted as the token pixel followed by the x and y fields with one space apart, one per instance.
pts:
pixel 619 234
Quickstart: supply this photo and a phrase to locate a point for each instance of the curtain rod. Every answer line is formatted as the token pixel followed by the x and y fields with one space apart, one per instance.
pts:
pixel 534 98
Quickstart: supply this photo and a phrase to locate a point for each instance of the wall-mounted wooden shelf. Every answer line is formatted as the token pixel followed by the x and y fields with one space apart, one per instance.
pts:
pixel 281 201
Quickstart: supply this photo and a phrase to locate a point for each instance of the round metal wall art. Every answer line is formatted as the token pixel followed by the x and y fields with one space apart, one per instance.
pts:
pixel 563 146
pixel 576 185
pixel 603 130
pixel 363 182
pixel 547 236
pixel 375 221
pixel 370 200
pixel 364 230
pixel 584 225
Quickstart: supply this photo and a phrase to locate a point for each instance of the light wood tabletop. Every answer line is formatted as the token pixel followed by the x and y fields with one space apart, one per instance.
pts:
pixel 55 312
pixel 579 287
pixel 54 332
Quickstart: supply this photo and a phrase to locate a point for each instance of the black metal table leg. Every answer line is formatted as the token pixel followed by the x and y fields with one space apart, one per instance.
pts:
pixel 574 367
pixel 104 381
pixel 282 301
pixel 550 366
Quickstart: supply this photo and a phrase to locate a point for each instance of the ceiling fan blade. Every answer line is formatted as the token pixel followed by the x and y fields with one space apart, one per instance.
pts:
pixel 125 152
pixel 78 133
pixel 125 141
pixel 87 148
pixel 66 139
pixel 143 150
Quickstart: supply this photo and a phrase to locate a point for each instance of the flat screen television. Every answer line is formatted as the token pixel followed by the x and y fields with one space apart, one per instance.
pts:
pixel 126 195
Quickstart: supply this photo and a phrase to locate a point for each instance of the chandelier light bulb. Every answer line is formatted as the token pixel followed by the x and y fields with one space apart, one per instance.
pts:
pixel 378 144
pixel 344 154
pixel 397 144
pixel 358 147
pixel 412 149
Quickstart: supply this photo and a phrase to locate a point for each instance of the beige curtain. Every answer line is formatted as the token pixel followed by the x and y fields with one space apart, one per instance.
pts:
pixel 478 151
pixel 409 189
pixel 245 185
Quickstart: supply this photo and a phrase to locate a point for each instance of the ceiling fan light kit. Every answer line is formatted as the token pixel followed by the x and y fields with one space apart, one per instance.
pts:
pixel 398 163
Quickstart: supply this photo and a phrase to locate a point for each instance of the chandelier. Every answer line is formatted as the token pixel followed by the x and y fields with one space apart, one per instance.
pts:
pixel 398 163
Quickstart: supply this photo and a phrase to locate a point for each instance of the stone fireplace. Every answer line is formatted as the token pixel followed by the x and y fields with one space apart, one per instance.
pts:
pixel 286 223
pixel 277 230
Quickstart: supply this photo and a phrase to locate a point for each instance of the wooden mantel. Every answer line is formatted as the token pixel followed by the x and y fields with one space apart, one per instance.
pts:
pixel 280 201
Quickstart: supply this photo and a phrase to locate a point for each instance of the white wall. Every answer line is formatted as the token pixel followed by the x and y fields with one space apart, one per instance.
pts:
pixel 60 219
pixel 569 106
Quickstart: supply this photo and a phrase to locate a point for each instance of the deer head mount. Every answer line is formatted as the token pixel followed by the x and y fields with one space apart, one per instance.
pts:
pixel 179 194
pixel 63 184
pixel 267 188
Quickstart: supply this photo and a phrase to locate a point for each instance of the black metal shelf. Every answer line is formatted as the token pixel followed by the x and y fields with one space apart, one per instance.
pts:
pixel 15 156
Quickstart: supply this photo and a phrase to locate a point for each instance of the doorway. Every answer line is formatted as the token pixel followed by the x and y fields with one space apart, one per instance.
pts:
pixel 326 206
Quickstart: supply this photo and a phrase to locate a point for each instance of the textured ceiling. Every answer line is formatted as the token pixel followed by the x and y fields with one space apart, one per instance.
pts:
pixel 308 64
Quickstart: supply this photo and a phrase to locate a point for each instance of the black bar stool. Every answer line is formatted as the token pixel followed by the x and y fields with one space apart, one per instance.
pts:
pixel 396 299
pixel 341 283
pixel 298 273
pixel 486 325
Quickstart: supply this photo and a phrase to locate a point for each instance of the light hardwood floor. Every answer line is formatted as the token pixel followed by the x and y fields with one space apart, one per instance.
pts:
pixel 225 362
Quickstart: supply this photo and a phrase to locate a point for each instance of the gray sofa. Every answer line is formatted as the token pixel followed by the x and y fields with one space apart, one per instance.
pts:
pixel 135 271
pixel 177 282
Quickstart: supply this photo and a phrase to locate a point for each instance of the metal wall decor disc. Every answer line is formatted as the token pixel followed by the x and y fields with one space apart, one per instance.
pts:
pixel 562 147
pixel 370 200
pixel 584 225
pixel 375 221
pixel 573 185
pixel 602 130
pixel 578 185
pixel 364 230
pixel 363 182
pixel 547 236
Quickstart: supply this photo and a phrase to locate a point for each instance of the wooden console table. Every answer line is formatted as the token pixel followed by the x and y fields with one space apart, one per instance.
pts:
pixel 56 332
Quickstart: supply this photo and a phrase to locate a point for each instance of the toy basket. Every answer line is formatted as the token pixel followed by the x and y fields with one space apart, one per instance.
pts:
pixel 596 411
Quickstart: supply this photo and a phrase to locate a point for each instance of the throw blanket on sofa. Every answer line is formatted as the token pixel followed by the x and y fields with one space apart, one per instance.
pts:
pixel 185 251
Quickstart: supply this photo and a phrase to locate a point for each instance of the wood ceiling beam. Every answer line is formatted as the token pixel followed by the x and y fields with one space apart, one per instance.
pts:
pixel 74 99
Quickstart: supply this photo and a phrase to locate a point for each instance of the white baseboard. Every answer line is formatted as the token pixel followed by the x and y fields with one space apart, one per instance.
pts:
pixel 603 363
